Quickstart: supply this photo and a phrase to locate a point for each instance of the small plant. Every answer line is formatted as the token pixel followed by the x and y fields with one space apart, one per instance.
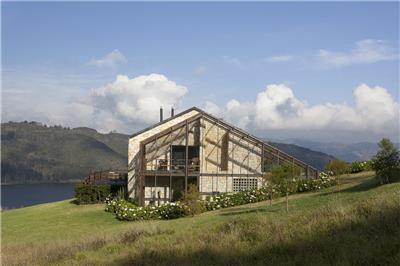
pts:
pixel 285 176
pixel 192 200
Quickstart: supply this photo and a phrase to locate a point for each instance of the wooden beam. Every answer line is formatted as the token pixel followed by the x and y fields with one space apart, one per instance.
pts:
pixel 171 129
pixel 186 154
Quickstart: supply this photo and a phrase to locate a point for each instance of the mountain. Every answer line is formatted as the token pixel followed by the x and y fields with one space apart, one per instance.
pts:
pixel 32 152
pixel 314 158
pixel 348 152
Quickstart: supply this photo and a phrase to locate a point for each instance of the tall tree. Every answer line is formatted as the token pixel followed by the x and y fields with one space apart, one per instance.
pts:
pixel 386 162
pixel 285 176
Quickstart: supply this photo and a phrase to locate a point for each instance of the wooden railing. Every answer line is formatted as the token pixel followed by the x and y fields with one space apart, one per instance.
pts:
pixel 173 165
pixel 106 176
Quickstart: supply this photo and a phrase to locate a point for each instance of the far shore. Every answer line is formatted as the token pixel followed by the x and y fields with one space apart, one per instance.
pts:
pixel 41 183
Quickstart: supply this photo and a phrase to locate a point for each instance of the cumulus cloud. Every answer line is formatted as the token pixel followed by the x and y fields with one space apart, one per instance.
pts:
pixel 279 59
pixel 136 100
pixel 109 60
pixel 277 108
pixel 365 52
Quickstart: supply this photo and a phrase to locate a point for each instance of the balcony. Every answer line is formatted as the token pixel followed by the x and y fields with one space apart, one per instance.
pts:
pixel 173 167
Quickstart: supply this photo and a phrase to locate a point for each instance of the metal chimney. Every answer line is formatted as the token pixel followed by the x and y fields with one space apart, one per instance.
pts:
pixel 172 111
pixel 161 114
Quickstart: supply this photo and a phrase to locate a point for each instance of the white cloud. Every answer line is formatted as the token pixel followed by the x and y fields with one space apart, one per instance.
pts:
pixel 277 108
pixel 136 101
pixel 365 52
pixel 279 59
pixel 109 60
pixel 212 108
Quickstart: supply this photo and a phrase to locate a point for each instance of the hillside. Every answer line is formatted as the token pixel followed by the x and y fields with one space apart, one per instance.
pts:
pixel 357 226
pixel 348 152
pixel 33 153
pixel 314 158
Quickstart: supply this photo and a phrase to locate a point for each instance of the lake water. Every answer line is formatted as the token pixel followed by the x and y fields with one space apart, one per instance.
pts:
pixel 17 196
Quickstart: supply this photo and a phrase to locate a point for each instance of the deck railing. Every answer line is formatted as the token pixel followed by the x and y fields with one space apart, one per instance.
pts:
pixel 173 165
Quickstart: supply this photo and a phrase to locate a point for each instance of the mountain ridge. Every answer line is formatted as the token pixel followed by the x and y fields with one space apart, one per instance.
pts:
pixel 36 153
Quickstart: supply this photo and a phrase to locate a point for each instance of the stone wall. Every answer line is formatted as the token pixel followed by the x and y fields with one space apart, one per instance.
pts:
pixel 134 148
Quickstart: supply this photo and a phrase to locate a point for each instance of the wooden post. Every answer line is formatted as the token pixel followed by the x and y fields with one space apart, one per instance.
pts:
pixel 262 159
pixel 186 154
pixel 141 174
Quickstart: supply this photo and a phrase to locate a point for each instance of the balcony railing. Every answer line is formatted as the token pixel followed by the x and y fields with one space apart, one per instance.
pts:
pixel 173 165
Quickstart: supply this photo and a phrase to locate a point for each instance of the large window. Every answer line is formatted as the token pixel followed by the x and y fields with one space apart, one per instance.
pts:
pixel 240 184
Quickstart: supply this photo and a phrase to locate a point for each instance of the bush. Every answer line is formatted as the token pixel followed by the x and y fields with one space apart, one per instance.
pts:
pixel 337 167
pixel 192 200
pixel 359 166
pixel 90 194
pixel 128 211
pixel 125 210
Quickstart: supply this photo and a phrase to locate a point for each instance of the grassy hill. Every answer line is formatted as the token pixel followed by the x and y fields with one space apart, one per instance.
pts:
pixel 33 153
pixel 357 226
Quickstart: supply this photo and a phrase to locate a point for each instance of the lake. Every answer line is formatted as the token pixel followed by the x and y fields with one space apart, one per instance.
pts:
pixel 17 196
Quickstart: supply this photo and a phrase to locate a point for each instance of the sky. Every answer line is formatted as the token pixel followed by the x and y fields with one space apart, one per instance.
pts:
pixel 321 71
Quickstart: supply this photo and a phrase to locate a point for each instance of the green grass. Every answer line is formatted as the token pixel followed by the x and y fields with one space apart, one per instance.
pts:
pixel 358 225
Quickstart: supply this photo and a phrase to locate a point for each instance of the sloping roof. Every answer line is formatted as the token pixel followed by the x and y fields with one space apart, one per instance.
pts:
pixel 167 120
pixel 226 124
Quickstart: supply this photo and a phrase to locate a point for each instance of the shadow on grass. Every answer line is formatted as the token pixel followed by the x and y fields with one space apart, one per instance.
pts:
pixel 74 201
pixel 364 186
pixel 369 238
pixel 264 209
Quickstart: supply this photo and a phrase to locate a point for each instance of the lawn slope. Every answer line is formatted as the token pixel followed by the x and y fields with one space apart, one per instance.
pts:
pixel 358 225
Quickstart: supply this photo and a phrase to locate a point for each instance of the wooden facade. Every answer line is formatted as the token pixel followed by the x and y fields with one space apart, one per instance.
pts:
pixel 197 148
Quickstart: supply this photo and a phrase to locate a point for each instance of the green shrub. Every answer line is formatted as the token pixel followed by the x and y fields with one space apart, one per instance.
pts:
pixel 192 200
pixel 128 211
pixel 94 193
pixel 359 166
pixel 125 210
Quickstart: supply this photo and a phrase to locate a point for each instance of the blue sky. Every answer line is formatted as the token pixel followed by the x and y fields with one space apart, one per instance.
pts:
pixel 54 57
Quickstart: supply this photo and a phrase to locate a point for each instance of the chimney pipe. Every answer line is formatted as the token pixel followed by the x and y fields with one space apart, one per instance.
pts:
pixel 161 114
pixel 172 111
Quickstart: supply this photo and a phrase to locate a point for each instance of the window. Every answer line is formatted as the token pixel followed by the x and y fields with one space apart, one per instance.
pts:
pixel 224 152
pixel 244 184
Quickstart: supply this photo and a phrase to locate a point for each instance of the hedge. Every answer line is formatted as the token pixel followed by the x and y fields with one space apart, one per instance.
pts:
pixel 125 210
pixel 95 193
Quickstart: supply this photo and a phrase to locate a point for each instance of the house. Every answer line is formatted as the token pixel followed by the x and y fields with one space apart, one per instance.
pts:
pixel 194 147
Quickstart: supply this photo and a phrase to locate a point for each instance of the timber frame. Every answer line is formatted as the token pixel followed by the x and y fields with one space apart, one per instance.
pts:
pixel 188 124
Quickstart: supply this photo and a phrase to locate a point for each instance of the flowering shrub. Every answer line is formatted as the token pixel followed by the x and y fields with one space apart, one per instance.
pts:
pixel 323 181
pixel 358 166
pixel 126 210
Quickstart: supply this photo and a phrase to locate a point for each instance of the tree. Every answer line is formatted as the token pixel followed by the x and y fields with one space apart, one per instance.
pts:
pixel 285 176
pixel 386 162
pixel 269 182
pixel 338 168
